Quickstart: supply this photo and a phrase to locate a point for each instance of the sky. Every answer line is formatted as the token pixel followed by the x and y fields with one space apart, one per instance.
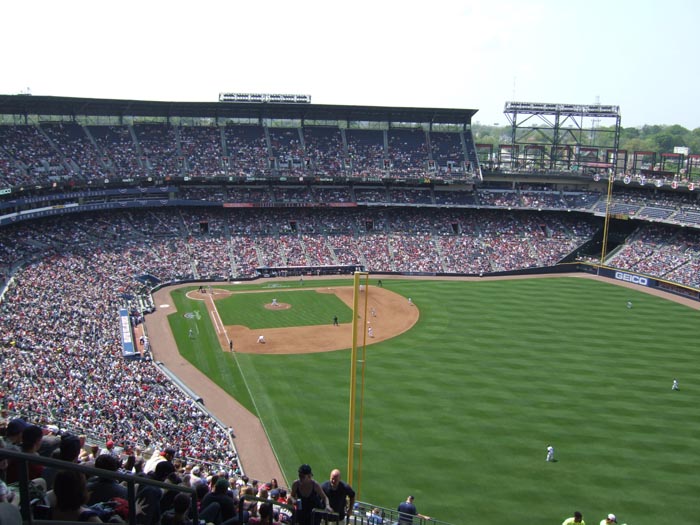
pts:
pixel 639 55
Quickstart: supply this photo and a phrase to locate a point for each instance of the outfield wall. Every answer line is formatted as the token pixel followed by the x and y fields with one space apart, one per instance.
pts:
pixel 640 280
pixel 602 271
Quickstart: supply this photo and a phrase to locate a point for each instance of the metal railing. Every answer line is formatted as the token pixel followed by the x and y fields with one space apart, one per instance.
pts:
pixel 362 515
pixel 131 480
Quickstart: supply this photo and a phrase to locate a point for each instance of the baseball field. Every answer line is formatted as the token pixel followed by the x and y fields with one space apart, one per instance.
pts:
pixel 465 389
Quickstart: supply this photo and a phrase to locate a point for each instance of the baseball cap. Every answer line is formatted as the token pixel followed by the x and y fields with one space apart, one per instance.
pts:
pixel 305 469
pixel 611 517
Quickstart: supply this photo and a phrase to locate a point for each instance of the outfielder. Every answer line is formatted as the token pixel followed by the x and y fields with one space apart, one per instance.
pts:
pixel 550 453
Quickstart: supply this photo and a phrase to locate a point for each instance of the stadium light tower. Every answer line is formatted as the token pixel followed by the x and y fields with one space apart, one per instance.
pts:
pixel 554 136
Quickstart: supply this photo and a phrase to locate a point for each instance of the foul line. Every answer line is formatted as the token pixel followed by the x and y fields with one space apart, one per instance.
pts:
pixel 216 319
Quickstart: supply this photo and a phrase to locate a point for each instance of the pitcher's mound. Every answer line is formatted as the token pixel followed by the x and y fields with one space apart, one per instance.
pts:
pixel 278 306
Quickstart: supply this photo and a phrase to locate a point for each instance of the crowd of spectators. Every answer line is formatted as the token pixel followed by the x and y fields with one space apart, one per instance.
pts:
pixel 365 153
pixel 410 196
pixel 247 152
pixel 324 151
pixel 446 149
pixel 63 362
pixel 53 151
pixel 161 150
pixel 408 152
pixel 79 155
pixel 371 195
pixel 58 309
pixel 202 151
pixel 32 157
pixel 224 494
pixel 118 151
pixel 661 251
pixel 287 148
pixel 205 243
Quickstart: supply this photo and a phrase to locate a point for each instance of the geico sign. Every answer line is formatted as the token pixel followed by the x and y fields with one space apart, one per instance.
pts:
pixel 632 278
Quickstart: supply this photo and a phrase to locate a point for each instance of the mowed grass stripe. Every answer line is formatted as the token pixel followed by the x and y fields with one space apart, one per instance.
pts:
pixel 459 410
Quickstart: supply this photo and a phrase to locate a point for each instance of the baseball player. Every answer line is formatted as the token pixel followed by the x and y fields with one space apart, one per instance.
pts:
pixel 550 453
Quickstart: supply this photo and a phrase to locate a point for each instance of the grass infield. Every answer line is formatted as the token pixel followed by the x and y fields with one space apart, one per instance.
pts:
pixel 460 409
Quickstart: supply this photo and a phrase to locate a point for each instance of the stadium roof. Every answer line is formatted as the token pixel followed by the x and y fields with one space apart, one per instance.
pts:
pixel 46 105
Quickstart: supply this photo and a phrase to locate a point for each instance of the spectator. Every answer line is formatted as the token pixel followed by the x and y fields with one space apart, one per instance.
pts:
pixel 266 515
pixel 179 513
pixel 375 517
pixel 109 448
pixel 151 496
pixel 104 489
pixel 68 450
pixel 13 434
pixel 50 442
pixel 611 518
pixel 308 495
pixel 224 498
pixel 340 495
pixel 407 510
pixel 31 441
pixel 575 519
pixel 71 495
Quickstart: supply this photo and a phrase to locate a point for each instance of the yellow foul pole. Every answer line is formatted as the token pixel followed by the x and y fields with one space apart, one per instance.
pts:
pixel 358 327
pixel 608 202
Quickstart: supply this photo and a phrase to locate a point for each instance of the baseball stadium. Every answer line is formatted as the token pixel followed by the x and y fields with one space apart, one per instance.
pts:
pixel 497 332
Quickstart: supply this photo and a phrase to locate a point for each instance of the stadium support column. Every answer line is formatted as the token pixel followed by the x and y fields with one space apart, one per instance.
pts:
pixel 357 380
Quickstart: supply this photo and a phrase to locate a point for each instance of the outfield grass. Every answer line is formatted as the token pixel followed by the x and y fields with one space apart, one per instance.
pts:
pixel 460 409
